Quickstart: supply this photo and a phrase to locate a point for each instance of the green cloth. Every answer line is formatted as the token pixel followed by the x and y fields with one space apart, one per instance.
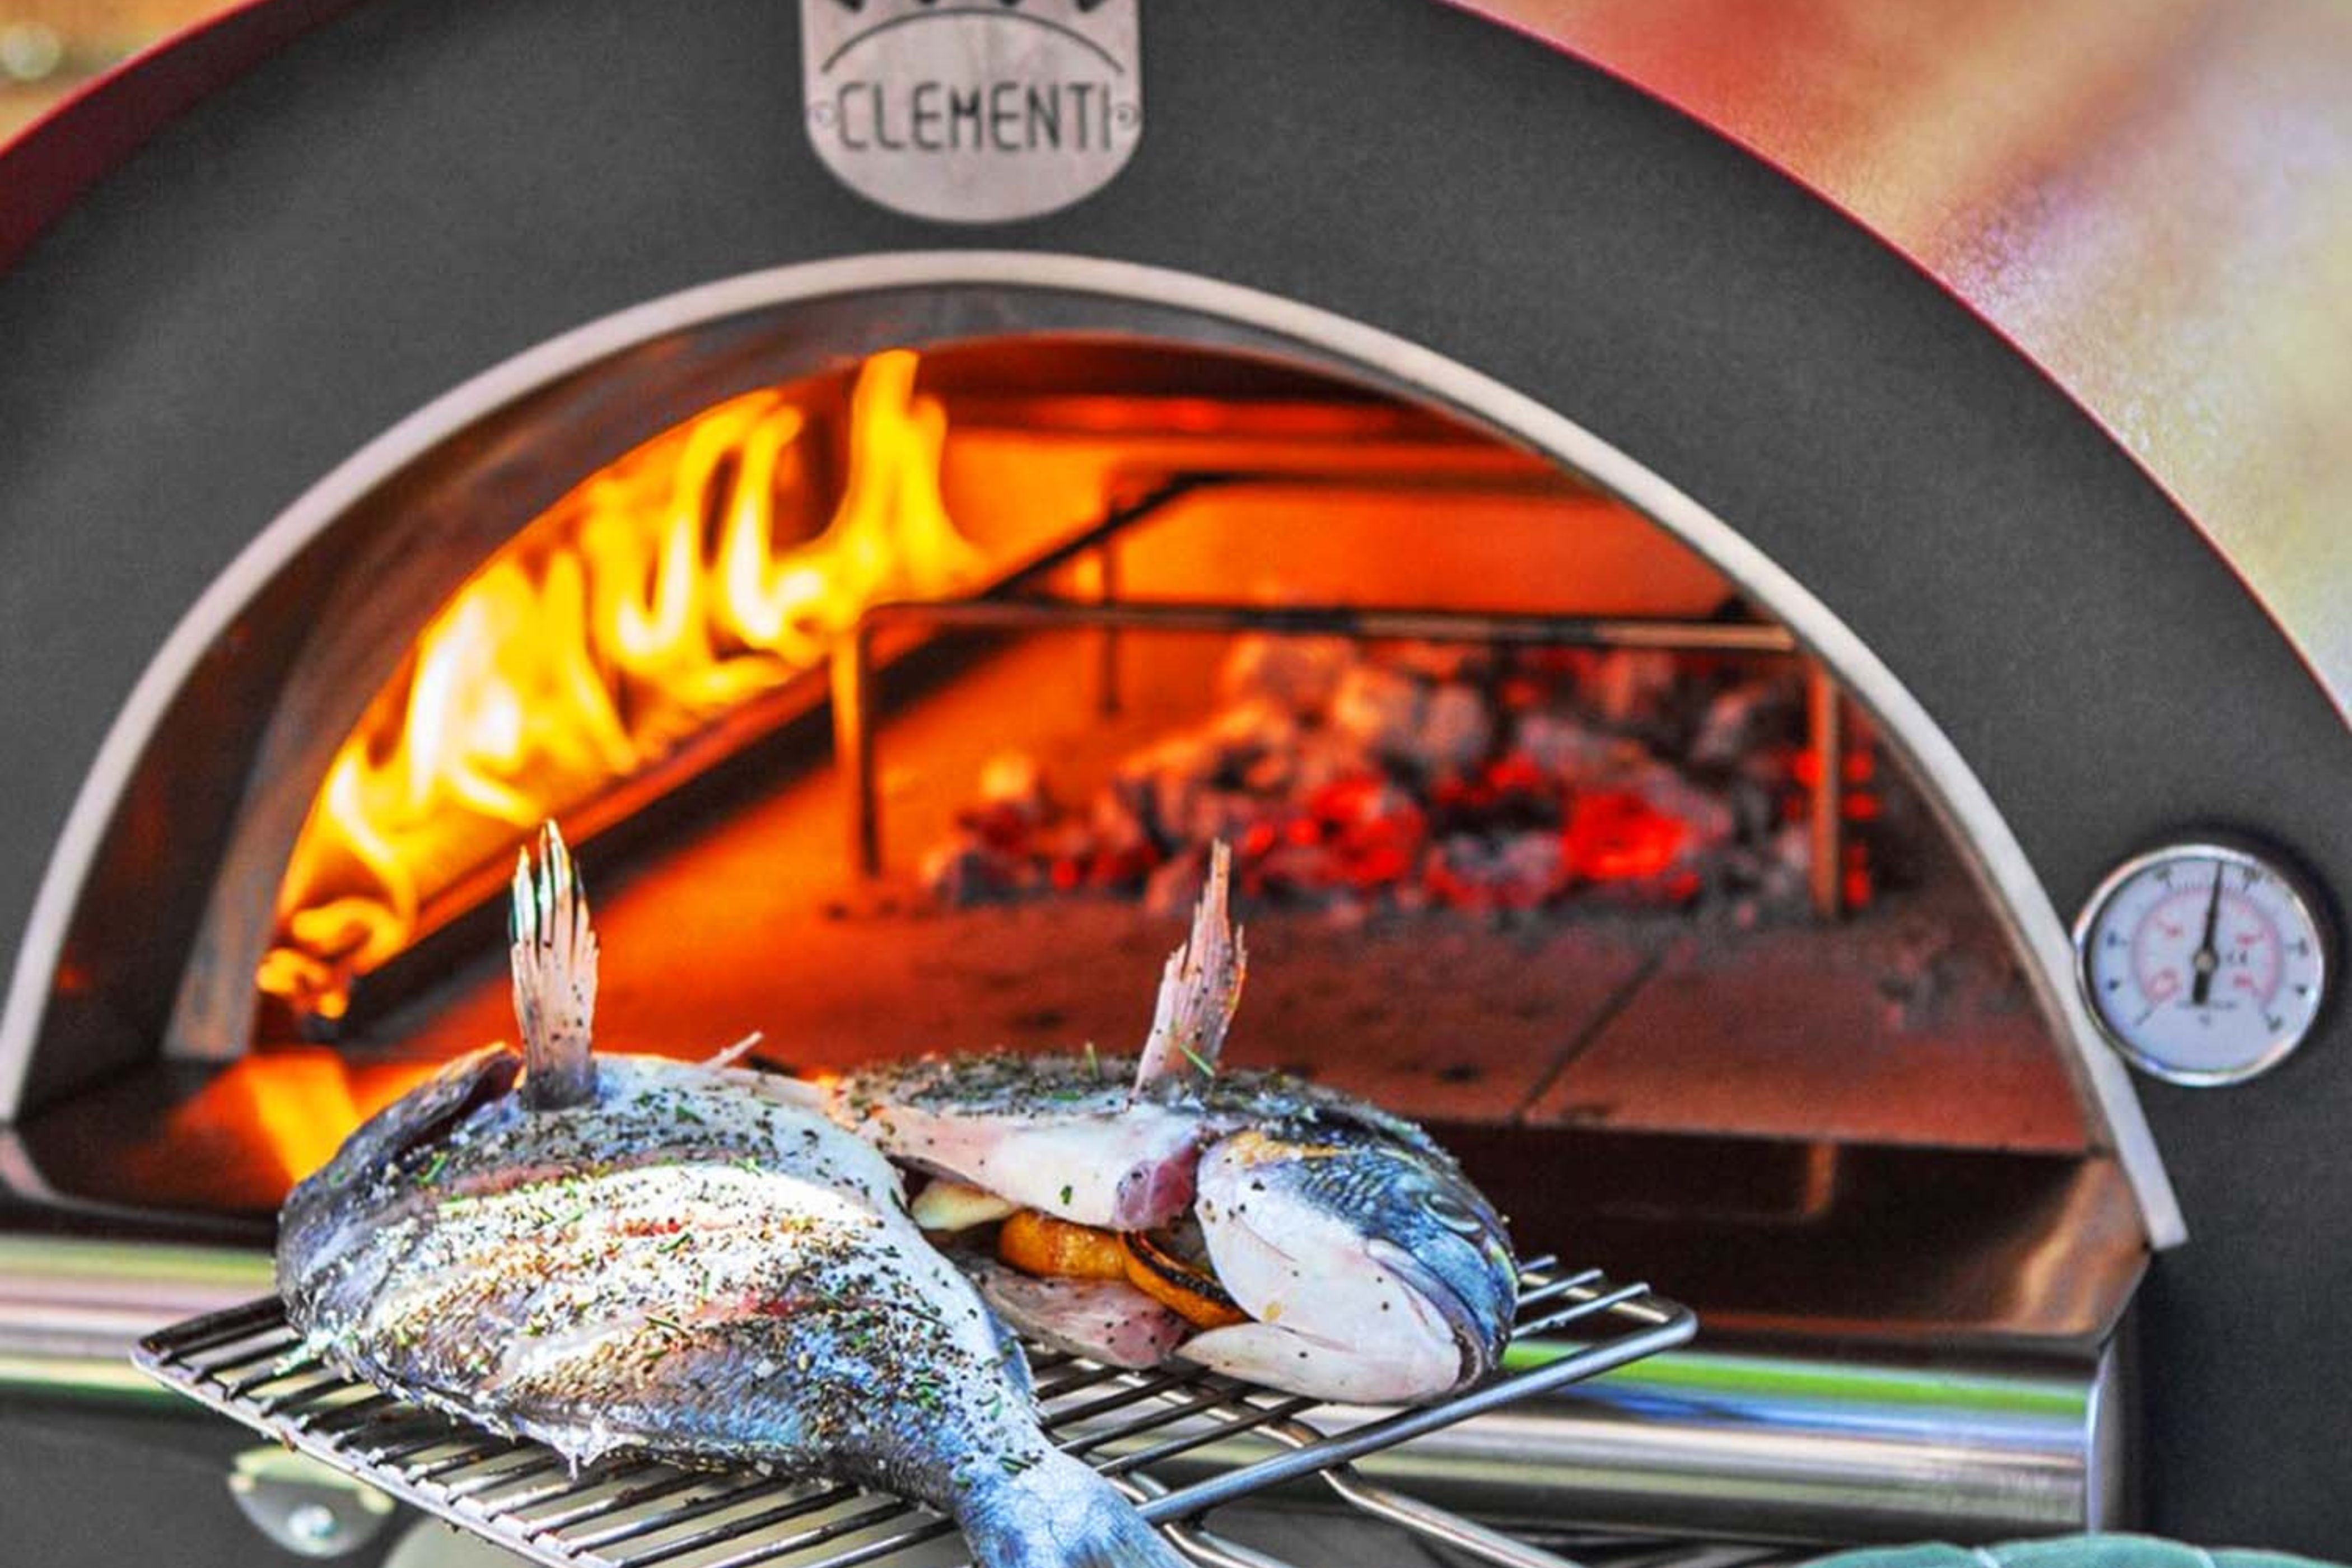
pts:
pixel 2072 1551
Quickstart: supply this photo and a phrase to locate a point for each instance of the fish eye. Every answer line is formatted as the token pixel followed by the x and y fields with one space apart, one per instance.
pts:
pixel 1454 1213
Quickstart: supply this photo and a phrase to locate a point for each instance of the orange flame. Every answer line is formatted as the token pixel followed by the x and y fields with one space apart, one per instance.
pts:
pixel 648 602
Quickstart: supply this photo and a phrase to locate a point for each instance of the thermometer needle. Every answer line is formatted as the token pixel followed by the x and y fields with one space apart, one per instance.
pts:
pixel 2206 959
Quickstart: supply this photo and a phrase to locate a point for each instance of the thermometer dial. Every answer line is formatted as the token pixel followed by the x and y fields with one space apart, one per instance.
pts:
pixel 2203 963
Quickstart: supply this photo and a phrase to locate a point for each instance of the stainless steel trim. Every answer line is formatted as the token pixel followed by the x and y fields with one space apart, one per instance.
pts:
pixel 2298 893
pixel 1704 1444
pixel 1770 1444
pixel 64 1300
pixel 1996 857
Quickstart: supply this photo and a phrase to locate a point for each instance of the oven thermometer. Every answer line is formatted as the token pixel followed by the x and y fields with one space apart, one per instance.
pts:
pixel 2203 964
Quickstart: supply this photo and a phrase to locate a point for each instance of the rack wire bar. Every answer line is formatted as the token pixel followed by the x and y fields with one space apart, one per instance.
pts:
pixel 627 1511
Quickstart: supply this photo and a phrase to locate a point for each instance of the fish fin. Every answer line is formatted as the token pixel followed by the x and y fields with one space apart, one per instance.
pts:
pixel 1055 1512
pixel 553 950
pixel 1201 986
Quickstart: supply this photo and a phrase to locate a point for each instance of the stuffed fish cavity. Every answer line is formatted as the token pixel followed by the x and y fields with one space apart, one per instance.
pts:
pixel 1267 1227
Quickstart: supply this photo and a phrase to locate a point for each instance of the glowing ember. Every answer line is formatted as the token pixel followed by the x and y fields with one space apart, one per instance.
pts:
pixel 1616 835
pixel 1404 777
pixel 653 599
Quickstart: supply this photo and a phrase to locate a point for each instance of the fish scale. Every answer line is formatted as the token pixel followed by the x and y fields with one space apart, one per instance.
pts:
pixel 686 1262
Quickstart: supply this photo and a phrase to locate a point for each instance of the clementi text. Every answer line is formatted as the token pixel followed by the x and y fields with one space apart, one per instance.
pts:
pixel 996 117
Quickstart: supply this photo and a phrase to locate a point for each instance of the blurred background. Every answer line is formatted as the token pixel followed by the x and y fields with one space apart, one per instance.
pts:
pixel 48 47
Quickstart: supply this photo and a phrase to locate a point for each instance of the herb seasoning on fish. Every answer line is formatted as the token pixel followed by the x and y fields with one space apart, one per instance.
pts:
pixel 1315 1242
pixel 623 1254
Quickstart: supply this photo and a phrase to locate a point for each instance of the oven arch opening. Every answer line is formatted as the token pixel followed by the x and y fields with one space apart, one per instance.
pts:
pixel 760 328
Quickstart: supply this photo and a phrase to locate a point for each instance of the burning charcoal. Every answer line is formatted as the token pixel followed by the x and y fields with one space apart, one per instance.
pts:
pixel 1298 871
pixel 1175 886
pixel 1620 842
pixel 1784 880
pixel 1570 750
pixel 1360 799
pixel 1438 662
pixel 1248 728
pixel 1158 784
pixel 1229 814
pixel 1242 747
pixel 1120 851
pixel 1744 719
pixel 1374 830
pixel 1455 732
pixel 1272 774
pixel 967 870
pixel 1323 758
pixel 1114 821
pixel 1012 781
pixel 1297 674
pixel 1705 814
pixel 1532 869
pixel 1391 795
pixel 1378 708
pixel 1121 869
pixel 1518 871
pixel 1629 686
pixel 1508 794
pixel 1006 829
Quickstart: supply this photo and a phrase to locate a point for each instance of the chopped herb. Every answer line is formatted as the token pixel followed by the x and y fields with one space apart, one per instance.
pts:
pixel 433 1167
pixel 1197 1059
pixel 1066 1195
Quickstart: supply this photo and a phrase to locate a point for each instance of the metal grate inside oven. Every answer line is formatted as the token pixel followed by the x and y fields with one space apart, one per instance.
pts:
pixel 1229 1438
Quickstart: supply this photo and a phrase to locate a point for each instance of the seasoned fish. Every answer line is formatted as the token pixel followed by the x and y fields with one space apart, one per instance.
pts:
pixel 613 1253
pixel 1343 1254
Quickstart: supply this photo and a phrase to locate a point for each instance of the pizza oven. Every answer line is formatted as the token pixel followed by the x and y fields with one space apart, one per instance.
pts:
pixel 1681 558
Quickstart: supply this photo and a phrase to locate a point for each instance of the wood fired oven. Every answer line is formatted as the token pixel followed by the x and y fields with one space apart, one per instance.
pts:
pixel 1682 553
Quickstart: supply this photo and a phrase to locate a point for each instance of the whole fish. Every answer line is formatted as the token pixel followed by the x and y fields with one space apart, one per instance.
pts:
pixel 613 1253
pixel 1340 1252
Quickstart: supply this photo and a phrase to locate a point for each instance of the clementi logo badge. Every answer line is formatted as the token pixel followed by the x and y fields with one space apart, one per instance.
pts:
pixel 978 111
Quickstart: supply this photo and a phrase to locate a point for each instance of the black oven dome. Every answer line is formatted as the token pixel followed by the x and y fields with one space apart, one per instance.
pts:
pixel 410 194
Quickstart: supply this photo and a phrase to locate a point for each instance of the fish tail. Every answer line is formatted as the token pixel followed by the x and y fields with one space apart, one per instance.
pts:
pixel 1201 986
pixel 553 950
pixel 1057 1513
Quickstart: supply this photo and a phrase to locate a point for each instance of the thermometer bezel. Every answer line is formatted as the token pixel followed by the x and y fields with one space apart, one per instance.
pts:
pixel 2307 907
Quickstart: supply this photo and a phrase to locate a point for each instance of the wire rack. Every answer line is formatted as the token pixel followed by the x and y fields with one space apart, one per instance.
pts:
pixel 249 1364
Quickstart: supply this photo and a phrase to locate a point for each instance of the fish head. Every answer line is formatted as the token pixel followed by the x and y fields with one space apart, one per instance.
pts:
pixel 1362 1245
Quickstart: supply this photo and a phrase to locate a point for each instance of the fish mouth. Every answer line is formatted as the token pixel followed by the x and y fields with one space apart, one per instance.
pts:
pixel 1474 1332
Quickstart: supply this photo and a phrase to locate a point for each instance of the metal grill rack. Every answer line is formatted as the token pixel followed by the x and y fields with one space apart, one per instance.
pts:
pixel 248 1364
